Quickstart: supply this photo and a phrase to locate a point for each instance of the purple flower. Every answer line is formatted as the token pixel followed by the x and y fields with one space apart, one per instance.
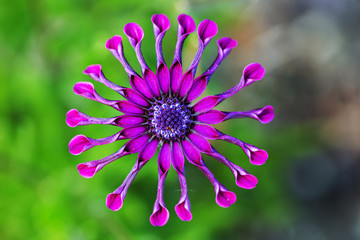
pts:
pixel 159 113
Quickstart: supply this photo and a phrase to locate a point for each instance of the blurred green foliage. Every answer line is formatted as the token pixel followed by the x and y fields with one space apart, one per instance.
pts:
pixel 44 47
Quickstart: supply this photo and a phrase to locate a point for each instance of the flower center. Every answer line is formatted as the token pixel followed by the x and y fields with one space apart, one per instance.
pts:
pixel 169 119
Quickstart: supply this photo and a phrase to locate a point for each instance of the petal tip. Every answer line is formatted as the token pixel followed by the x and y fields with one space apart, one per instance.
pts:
pixel 78 144
pixel 246 181
pixel 86 171
pixel 113 43
pixel 114 201
pixel 225 198
pixel 160 217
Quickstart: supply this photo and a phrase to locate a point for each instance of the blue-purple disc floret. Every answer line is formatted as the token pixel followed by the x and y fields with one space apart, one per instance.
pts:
pixel 158 112
pixel 169 119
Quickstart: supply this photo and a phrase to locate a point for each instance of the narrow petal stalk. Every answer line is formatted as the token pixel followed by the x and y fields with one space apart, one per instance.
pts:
pixel 114 45
pixel 160 214
pixel 263 115
pixel 161 24
pixel 223 197
pixel 89 169
pixel 252 73
pixel 206 31
pixel 81 143
pixel 135 35
pixel 114 200
pixel 256 155
pixel 95 72
pixel 182 209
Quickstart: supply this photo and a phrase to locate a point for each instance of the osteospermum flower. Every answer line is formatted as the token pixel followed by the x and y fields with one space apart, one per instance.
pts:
pixel 159 113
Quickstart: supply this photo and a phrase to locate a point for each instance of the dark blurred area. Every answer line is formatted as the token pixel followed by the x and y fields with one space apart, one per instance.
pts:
pixel 307 190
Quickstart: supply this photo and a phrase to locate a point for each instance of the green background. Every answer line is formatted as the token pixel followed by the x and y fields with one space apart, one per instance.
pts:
pixel 309 187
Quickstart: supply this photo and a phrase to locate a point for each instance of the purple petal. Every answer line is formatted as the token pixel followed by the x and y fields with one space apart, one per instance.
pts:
pixel 128 120
pixel 129 108
pixel 74 118
pixel 141 86
pixel 192 154
pixel 256 156
pixel 175 76
pixel 152 82
pixel 177 157
pixel 135 97
pixel 88 169
pixel 148 151
pixel 163 77
pixel 78 144
pixel 182 209
pixel 264 115
pixel 134 32
pixel 225 198
pixel 87 90
pixel 207 30
pixel 81 143
pixel 200 143
pixel 84 88
pixel 93 70
pixel 164 160
pixel 186 83
pixel 253 72
pixel 243 178
pixel 197 88
pixel 161 25
pixel 211 117
pixel 246 181
pixel 114 201
pixel 206 104
pixel 160 216
pixel 136 144
pixel 206 131
pixel 132 132
pixel 224 45
pixel 114 45
pixel 186 25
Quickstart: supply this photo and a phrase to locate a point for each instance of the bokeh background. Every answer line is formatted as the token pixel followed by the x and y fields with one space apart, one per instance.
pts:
pixel 309 187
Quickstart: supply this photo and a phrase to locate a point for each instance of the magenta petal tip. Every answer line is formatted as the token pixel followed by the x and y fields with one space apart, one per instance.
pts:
pixel 253 72
pixel 73 118
pixel 160 217
pixel 134 33
pixel 86 171
pixel 78 144
pixel 225 198
pixel 113 43
pixel 226 43
pixel 246 181
pixel 114 201
pixel 182 211
pixel 82 88
pixel 93 69
pixel 207 29
pixel 187 24
pixel 258 157
pixel 266 115
pixel 161 22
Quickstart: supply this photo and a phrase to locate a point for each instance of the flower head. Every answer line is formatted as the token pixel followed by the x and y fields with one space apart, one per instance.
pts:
pixel 159 113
